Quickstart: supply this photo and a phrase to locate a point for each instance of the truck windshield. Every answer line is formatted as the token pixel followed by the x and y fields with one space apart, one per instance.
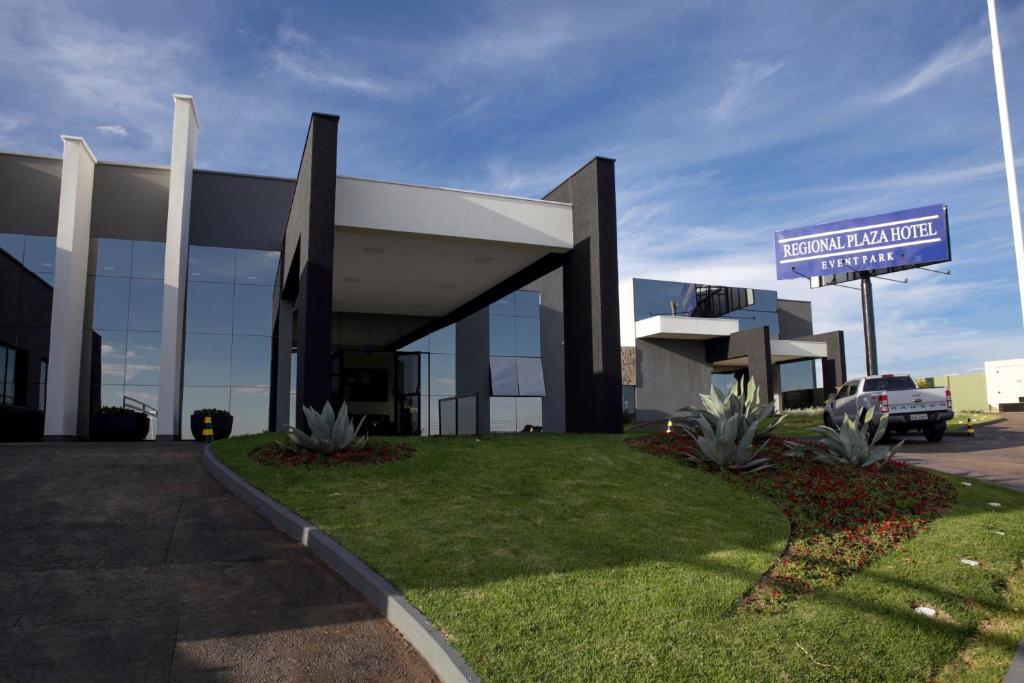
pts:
pixel 889 384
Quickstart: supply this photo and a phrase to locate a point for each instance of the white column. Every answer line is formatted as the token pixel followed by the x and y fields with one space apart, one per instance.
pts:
pixel 67 316
pixel 179 204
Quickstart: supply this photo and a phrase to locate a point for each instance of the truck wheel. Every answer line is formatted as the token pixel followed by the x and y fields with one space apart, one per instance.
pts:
pixel 933 434
pixel 828 420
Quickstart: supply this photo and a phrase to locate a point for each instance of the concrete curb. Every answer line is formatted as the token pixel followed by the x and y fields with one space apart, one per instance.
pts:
pixel 446 662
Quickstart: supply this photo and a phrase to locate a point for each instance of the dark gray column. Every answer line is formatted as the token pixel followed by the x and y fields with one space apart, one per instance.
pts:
pixel 552 345
pixel 755 344
pixel 472 364
pixel 833 367
pixel 309 238
pixel 593 372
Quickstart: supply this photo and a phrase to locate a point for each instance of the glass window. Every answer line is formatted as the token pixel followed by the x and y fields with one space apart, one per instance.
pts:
pixel 146 305
pixel 112 395
pixel 44 369
pixel 10 285
pixel 254 267
pixel 207 360
pixel 142 358
pixel 254 310
pixel 250 407
pixel 112 356
pixel 208 308
pixel 503 336
pixel 531 376
pixel 503 376
pixel 504 306
pixel 148 260
pixel 527 304
pixel 14 245
pixel 503 414
pixel 113 257
pixel 7 361
pixel 418 345
pixel 898 383
pixel 442 375
pixel 197 398
pixel 529 412
pixel 527 337
pixel 147 395
pixel 211 264
pixel 40 253
pixel 443 341
pixel 110 304
pixel 250 361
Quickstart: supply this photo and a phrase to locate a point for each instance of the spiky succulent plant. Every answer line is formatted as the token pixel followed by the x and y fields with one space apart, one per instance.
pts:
pixel 328 433
pixel 851 443
pixel 731 427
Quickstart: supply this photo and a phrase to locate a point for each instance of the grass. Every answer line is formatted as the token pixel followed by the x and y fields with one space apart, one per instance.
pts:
pixel 564 557
pixel 799 422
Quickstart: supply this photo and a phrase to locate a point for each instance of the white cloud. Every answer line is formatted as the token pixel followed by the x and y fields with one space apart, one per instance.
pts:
pixel 746 77
pixel 308 68
pixel 120 131
pixel 948 59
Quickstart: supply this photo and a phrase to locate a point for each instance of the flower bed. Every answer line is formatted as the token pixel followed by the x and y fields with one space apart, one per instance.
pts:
pixel 287 455
pixel 841 518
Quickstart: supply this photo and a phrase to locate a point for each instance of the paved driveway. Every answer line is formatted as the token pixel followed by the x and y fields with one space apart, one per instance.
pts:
pixel 128 562
pixel 996 454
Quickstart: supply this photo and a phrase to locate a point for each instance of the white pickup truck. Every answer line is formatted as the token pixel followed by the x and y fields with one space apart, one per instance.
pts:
pixel 909 408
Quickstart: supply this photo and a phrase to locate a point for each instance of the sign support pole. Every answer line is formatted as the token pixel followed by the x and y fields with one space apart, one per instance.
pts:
pixel 1011 171
pixel 867 307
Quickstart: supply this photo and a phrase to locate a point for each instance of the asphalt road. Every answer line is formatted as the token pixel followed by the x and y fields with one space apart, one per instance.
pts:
pixel 128 562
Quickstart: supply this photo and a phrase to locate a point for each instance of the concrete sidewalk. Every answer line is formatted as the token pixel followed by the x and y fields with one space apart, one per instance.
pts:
pixel 995 455
pixel 128 562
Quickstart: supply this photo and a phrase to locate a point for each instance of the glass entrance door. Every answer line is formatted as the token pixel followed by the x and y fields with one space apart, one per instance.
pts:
pixel 407 393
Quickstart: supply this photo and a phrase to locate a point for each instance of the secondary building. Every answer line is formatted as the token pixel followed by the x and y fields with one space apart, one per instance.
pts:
pixel 429 310
pixel 689 335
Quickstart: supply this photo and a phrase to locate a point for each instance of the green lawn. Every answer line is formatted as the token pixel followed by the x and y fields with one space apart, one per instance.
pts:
pixel 554 557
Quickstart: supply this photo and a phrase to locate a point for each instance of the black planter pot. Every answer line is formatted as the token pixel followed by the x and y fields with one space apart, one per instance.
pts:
pixel 118 427
pixel 221 426
pixel 20 424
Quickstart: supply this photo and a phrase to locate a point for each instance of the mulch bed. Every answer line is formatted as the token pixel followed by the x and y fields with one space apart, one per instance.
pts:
pixel 287 455
pixel 841 518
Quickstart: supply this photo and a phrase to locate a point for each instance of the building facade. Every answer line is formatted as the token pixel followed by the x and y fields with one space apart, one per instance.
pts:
pixel 689 336
pixel 169 288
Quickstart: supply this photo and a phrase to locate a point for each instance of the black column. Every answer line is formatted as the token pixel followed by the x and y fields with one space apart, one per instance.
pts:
pixel 311 225
pixel 593 371
pixel 756 345
pixel 833 366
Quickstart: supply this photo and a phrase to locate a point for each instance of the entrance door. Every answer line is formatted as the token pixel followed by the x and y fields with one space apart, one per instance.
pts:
pixel 407 393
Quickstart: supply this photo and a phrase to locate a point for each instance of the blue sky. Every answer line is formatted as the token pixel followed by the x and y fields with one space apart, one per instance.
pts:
pixel 728 120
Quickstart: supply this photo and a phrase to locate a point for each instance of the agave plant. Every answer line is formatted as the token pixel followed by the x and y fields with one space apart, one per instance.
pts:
pixel 731 427
pixel 328 433
pixel 852 443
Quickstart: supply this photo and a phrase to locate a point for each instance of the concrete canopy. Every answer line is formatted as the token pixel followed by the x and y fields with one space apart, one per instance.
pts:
pixel 683 327
pixel 783 351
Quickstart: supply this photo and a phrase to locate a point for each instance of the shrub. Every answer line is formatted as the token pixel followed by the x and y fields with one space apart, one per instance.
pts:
pixel 730 430
pixel 116 410
pixel 211 412
pixel 328 433
pixel 852 443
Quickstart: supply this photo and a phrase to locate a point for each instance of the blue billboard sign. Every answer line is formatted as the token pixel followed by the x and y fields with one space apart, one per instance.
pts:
pixel 886 242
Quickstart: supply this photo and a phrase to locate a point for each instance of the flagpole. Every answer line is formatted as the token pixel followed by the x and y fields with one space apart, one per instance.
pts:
pixel 1011 170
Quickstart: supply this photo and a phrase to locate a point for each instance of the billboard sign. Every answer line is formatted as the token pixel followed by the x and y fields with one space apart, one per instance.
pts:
pixel 882 243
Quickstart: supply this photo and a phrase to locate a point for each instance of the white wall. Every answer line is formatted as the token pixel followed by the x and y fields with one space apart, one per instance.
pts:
pixel 1004 381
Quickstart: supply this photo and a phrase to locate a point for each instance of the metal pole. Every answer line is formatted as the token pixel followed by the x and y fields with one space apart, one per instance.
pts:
pixel 867 307
pixel 1011 171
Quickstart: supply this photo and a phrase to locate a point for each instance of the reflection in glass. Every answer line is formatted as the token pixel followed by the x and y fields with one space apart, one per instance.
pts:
pixel 503 414
pixel 112 395
pixel 254 267
pixel 197 398
pixel 250 361
pixel 10 285
pixel 148 260
pixel 527 304
pixel 142 358
pixel 208 308
pixel 418 345
pixel 14 245
pixel 531 376
pixel 503 335
pixel 211 264
pixel 442 375
pixel 503 376
pixel 504 306
pixel 250 407
pixel 254 310
pixel 40 253
pixel 147 395
pixel 145 310
pixel 110 303
pixel 112 356
pixel 527 336
pixel 207 360
pixel 529 411
pixel 443 341
pixel 113 257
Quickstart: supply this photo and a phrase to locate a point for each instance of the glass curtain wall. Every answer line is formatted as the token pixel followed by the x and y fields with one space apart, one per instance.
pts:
pixel 517 379
pixel 228 329
pixel 26 295
pixel 437 375
pixel 126 281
